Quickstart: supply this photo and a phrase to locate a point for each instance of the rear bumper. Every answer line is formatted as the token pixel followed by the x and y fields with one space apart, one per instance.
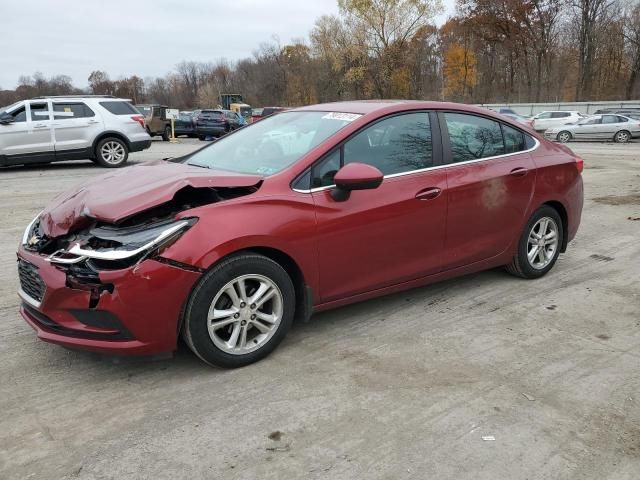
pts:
pixel 139 145
pixel 133 311
pixel 210 130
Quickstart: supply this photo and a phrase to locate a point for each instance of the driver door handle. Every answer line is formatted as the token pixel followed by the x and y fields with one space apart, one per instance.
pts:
pixel 519 172
pixel 428 193
pixel 40 125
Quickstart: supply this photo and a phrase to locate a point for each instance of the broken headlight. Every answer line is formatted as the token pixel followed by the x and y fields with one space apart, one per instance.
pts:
pixel 122 245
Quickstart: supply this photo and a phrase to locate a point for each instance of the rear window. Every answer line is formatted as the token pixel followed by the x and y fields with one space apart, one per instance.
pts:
pixel 63 111
pixel 119 108
pixel 146 111
pixel 209 115
pixel 560 114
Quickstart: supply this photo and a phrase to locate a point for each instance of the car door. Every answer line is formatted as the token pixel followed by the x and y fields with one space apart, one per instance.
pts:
pixel 490 182
pixel 558 119
pixel 14 135
pixel 38 144
pixel 391 234
pixel 609 127
pixel 589 128
pixel 542 121
pixel 75 126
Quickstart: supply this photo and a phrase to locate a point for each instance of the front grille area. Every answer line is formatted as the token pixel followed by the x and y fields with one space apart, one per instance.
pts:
pixel 30 280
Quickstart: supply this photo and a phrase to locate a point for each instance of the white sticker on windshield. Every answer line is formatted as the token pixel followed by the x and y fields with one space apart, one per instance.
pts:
pixel 345 117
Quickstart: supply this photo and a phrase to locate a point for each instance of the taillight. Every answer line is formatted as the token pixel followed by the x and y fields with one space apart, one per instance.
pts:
pixel 579 164
pixel 139 119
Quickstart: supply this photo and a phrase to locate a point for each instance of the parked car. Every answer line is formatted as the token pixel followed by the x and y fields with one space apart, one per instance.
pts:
pixel 544 120
pixel 597 127
pixel 265 112
pixel 53 129
pixel 619 111
pixel 184 125
pixel 215 123
pixel 155 117
pixel 307 210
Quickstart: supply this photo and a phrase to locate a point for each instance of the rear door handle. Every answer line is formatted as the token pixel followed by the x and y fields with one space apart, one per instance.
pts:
pixel 428 193
pixel 519 172
pixel 39 125
pixel 91 122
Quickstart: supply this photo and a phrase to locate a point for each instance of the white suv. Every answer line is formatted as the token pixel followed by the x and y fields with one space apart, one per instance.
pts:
pixel 52 129
pixel 555 118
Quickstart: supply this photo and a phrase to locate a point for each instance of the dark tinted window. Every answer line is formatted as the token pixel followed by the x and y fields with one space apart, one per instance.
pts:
pixel 622 119
pixel 544 115
pixel 324 171
pixel 398 144
pixel 560 114
pixel 19 115
pixel 63 111
pixel 513 140
pixel 473 137
pixel 211 115
pixel 146 111
pixel 120 108
pixel 39 112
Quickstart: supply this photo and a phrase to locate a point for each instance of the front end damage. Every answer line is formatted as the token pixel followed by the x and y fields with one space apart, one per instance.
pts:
pixel 104 286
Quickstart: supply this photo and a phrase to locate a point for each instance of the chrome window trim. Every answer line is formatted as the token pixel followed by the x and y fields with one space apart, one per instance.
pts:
pixel 27 299
pixel 437 167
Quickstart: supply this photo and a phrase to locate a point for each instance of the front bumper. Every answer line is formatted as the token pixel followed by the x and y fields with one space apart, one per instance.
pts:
pixel 133 311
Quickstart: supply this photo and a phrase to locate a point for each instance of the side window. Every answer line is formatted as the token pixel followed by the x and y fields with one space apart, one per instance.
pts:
pixel 514 140
pixel 622 119
pixel 19 115
pixel 119 108
pixel 544 115
pixel 64 111
pixel 39 112
pixel 395 145
pixel 322 173
pixel 473 137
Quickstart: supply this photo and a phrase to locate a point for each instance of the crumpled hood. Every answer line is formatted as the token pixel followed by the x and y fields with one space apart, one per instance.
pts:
pixel 125 192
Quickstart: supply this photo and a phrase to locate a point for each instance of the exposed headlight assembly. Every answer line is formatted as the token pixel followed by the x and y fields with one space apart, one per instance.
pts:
pixel 117 244
pixel 27 233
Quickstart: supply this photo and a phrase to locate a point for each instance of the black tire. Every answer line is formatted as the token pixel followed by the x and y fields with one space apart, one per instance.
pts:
pixel 622 136
pixel 166 134
pixel 201 138
pixel 520 266
pixel 564 136
pixel 195 324
pixel 103 159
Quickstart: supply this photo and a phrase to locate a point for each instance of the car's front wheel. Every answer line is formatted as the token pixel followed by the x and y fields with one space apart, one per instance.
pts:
pixel 240 311
pixel 564 136
pixel 111 152
pixel 539 244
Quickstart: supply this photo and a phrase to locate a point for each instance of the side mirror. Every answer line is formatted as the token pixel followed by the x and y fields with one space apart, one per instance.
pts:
pixel 355 176
pixel 6 118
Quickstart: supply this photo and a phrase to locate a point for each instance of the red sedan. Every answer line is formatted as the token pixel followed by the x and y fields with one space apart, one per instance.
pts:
pixel 304 211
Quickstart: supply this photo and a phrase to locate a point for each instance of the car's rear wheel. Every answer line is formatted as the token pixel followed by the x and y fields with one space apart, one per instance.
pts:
pixel 240 311
pixel 621 137
pixel 111 152
pixel 539 245
pixel 564 136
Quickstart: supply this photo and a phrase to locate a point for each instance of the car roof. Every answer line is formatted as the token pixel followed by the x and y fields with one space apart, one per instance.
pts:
pixel 364 107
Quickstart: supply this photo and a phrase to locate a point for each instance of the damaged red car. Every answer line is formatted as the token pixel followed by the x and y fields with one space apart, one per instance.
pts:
pixel 307 210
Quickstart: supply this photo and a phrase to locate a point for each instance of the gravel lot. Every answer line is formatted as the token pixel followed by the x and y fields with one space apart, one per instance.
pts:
pixel 404 386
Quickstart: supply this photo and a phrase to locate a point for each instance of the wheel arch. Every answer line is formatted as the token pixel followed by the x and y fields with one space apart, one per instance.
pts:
pixel 108 134
pixel 562 211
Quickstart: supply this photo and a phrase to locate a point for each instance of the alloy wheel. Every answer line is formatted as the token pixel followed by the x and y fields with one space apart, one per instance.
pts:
pixel 622 137
pixel 542 243
pixel 245 314
pixel 564 137
pixel 113 152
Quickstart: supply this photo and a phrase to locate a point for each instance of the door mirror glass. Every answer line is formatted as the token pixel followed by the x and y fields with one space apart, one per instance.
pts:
pixel 355 176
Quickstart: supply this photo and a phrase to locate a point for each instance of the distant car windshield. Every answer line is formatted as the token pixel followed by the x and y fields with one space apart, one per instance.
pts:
pixel 271 145
pixel 146 111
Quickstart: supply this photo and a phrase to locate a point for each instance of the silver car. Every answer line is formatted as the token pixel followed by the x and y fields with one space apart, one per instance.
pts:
pixel 618 128
pixel 52 129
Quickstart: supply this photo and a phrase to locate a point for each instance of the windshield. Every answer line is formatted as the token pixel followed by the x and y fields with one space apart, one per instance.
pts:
pixel 8 107
pixel 146 111
pixel 271 145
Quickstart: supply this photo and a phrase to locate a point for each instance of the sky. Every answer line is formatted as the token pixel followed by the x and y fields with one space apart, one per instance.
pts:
pixel 144 37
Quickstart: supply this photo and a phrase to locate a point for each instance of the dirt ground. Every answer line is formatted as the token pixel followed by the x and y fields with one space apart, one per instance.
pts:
pixel 414 385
